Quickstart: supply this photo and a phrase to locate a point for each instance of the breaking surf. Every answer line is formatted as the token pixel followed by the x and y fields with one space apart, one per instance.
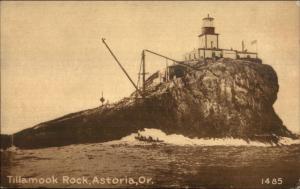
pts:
pixel 150 136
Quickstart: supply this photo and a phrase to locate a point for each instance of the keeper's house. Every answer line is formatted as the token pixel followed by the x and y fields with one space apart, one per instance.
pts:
pixel 209 46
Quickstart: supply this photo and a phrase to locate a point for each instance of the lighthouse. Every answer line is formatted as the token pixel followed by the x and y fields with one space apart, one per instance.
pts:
pixel 209 46
pixel 208 38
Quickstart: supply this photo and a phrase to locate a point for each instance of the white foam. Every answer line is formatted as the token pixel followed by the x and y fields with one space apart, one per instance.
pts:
pixel 181 140
pixel 288 141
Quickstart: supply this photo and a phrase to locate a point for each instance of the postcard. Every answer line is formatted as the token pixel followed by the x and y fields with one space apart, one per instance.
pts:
pixel 150 94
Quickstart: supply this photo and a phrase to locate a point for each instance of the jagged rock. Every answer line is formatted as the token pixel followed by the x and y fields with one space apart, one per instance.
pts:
pixel 227 98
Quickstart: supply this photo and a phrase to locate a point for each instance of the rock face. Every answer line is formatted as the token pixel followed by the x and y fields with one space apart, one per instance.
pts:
pixel 227 98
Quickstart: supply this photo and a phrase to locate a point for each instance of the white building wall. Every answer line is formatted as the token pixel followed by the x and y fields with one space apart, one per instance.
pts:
pixel 208 53
pixel 242 55
pixel 229 54
pixel 218 53
pixel 202 42
pixel 211 41
pixel 245 55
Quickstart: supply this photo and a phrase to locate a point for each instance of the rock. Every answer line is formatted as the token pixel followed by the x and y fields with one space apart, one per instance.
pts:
pixel 227 98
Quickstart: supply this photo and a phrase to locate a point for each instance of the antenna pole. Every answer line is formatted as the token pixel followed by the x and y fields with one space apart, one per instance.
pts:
pixel 113 55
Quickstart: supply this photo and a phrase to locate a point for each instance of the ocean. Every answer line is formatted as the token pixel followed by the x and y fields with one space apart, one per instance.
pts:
pixel 176 162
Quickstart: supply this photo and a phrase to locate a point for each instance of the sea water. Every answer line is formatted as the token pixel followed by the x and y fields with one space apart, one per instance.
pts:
pixel 177 162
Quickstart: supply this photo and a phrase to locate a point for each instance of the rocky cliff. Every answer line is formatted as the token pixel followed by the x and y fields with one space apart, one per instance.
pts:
pixel 227 98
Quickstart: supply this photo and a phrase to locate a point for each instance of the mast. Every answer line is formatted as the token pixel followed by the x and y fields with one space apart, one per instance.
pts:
pixel 144 71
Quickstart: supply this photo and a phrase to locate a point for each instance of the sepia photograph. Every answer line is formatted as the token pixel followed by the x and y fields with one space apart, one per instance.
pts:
pixel 150 94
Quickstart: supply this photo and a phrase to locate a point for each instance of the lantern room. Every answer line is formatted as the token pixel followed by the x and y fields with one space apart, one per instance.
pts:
pixel 208 25
pixel 208 38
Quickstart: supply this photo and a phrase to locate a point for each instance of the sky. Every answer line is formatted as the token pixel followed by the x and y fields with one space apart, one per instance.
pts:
pixel 54 63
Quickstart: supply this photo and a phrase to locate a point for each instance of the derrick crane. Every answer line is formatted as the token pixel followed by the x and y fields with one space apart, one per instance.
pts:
pixel 143 67
pixel 122 68
pixel 143 63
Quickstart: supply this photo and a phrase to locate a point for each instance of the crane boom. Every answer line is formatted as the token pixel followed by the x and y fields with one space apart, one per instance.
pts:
pixel 113 55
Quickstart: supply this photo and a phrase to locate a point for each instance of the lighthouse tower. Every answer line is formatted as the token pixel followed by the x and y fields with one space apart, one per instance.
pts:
pixel 208 38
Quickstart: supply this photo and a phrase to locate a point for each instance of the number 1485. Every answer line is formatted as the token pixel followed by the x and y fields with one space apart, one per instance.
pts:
pixel 273 181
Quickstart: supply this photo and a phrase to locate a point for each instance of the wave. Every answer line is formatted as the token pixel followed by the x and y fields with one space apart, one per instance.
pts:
pixel 177 139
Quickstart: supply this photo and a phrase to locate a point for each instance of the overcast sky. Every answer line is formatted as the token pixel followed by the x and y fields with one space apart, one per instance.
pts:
pixel 53 61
